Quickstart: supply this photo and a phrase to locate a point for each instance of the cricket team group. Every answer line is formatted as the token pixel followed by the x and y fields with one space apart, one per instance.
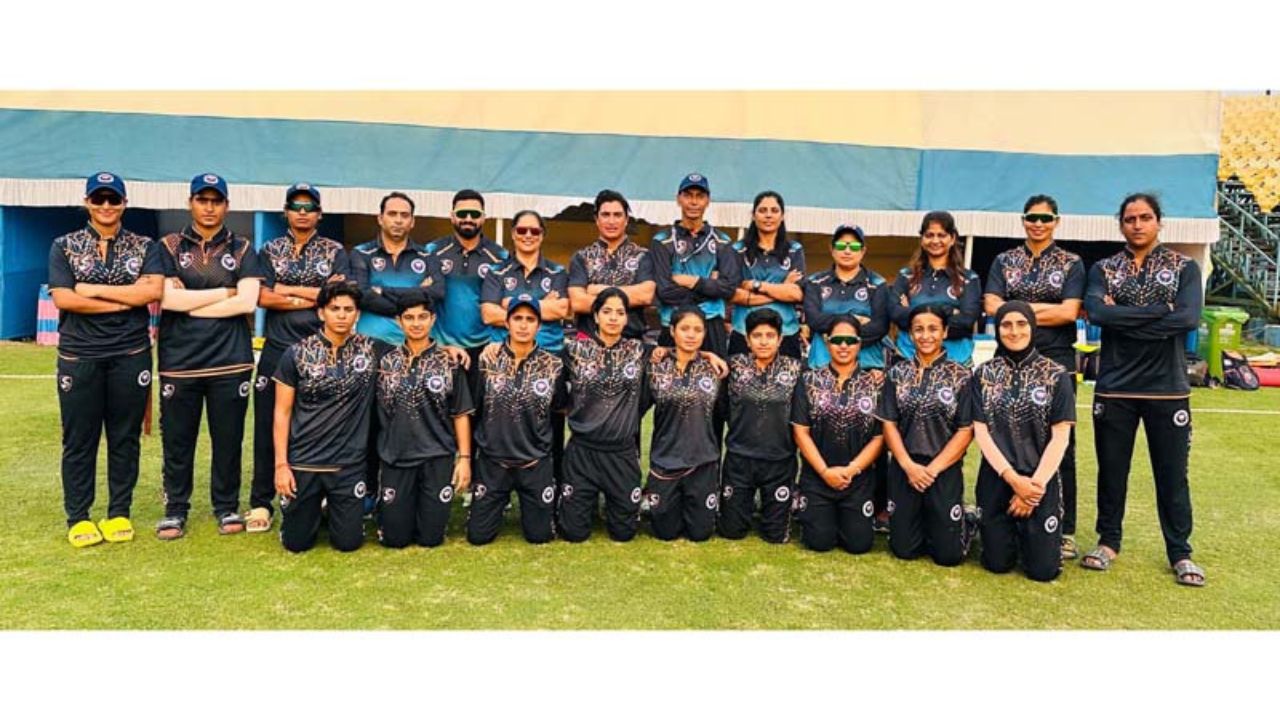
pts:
pixel 395 378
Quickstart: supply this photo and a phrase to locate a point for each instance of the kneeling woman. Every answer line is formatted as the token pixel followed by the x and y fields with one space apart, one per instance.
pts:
pixel 514 393
pixel 684 456
pixel 324 399
pixel 833 419
pixel 1023 410
pixel 605 373
pixel 926 410
pixel 761 454
pixel 424 430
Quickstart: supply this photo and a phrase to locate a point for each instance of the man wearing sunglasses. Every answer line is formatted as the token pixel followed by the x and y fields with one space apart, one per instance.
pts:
pixel 294 268
pixel 206 355
pixel 465 257
pixel 101 278
pixel 1052 280
pixel 693 264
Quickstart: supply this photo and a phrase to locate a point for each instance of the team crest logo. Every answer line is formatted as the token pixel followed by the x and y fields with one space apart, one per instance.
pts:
pixel 826 293
pixel 261 383
pixel 229 262
pixel 85 265
pixel 315 371
pixel 360 489
pixel 185 260
pixel 360 363
pixel 302 186
pixel 786 378
pixel 446 494
pixel 546 284
pixel 951 292
pixel 1051 524
pixel 957 512
pixel 446 266
pixel 632 264
pixel 244 389
pixel 861 294
pixel 323 268
pixel 706 384
pixel 542 387
pixel 635 495
pixel 1097 409
pixel 782 494
pixel 866 404
pixel 64 383
pixel 713 501
pixel 167 390
pixel 630 371
pixel 566 491
pixel 1014 276
pixel 946 395
pixel 435 383
pixel 682 247
pixel 144 378
pixel 868 509
pixel 1165 277
pixel 548 494
pixel 1040 395
pixel 1181 418
pixel 388 495
pixel 418 265
pixel 786 263
pixel 510 283
pixel 483 271
pixel 728 492
pixel 480 491
pixel 378 264
pixel 106 177
pixel 133 265
pixel 1055 278
pixel 497 382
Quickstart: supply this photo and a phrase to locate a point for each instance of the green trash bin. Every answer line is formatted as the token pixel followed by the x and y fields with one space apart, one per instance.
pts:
pixel 1220 329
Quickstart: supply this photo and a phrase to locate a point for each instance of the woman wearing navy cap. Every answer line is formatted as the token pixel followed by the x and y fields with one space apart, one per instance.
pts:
pixel 101 278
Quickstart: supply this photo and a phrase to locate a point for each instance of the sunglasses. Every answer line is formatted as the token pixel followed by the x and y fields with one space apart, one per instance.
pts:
pixel 106 199
pixel 844 340
pixel 1044 218
pixel 468 214
pixel 849 245
pixel 303 207
pixel 535 232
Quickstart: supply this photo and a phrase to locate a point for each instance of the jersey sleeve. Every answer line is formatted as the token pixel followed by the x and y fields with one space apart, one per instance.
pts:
pixel 964 404
pixel 887 409
pixel 1063 408
pixel 995 279
pixel 800 406
pixel 977 413
pixel 60 273
pixel 287 371
pixel 250 266
pixel 577 271
pixel 153 259
pixel 1073 286
pixel 491 288
pixel 644 269
pixel 460 403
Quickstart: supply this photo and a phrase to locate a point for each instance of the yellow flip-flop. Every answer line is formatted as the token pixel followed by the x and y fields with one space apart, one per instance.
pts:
pixel 83 534
pixel 116 529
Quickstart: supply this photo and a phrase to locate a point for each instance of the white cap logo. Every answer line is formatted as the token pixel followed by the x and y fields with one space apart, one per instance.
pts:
pixel 106 177
pixel 211 179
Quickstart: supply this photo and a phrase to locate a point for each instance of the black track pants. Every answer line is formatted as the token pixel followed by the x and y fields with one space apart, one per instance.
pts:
pixel 683 502
pixel 1035 540
pixel 491 490
pixel 590 472
pixel 931 522
pixel 830 517
pixel 414 503
pixel 182 402
pixel 740 480
pixel 343 491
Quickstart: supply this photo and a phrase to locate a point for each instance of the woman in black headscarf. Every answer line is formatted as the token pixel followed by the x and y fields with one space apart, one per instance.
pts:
pixel 1023 410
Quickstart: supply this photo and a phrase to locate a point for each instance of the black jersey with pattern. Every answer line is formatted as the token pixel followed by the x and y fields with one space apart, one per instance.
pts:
pixel 630 264
pixel 760 407
pixel 1144 328
pixel 206 346
pixel 841 419
pixel 1052 277
pixel 74 258
pixel 684 408
pixel 319 259
pixel 604 389
pixel 334 391
pixel 514 400
pixel 1019 402
pixel 929 404
pixel 418 398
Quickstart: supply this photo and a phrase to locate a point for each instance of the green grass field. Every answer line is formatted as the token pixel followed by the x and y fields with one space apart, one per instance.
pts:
pixel 248 582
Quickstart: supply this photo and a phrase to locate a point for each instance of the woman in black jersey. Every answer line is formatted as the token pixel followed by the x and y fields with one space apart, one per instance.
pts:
pixel 833 419
pixel 684 456
pixel 1023 410
pixel 926 412
pixel 605 373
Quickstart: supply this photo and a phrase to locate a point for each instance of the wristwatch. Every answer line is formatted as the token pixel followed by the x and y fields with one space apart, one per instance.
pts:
pixel 755 286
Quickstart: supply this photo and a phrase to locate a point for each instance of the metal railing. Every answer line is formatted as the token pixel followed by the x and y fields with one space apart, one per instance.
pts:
pixel 1254 268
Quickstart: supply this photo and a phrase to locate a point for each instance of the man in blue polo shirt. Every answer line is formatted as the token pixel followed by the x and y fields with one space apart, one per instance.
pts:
pixel 465 258
pixel 693 264
pixel 387 265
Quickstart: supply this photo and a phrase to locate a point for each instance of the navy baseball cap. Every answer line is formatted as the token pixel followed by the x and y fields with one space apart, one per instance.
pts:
pixel 304 189
pixel 525 300
pixel 846 229
pixel 208 181
pixel 104 181
pixel 694 180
